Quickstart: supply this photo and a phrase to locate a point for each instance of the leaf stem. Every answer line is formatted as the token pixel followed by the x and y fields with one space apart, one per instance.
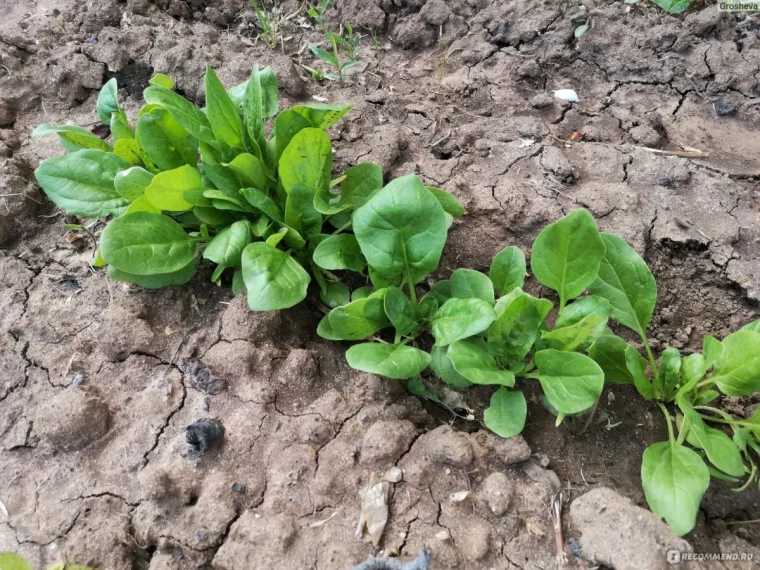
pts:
pixel 665 411
pixel 412 294
pixel 341 228
pixel 650 356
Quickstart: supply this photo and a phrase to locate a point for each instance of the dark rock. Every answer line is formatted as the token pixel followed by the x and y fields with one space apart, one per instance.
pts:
pixel 723 109
pixel 203 435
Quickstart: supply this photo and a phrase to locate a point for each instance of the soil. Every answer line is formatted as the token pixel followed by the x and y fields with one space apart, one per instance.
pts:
pixel 100 380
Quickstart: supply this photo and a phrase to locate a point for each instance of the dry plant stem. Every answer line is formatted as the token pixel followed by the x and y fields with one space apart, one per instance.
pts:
pixel 557 520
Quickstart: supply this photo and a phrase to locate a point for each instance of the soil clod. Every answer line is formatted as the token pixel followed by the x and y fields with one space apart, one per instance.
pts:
pixel 420 563
pixel 203 435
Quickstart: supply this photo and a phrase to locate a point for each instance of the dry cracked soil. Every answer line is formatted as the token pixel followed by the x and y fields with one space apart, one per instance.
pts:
pixel 100 379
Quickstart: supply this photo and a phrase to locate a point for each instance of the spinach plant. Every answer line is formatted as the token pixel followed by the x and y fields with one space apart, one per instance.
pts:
pixel 12 561
pixel 673 6
pixel 242 182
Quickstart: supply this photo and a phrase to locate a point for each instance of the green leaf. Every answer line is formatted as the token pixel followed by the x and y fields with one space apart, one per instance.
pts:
pixel 358 320
pixel 507 413
pixel 719 448
pixel 120 127
pixel 286 126
pixel 609 352
pixel 508 270
pixel 669 371
pixel 142 204
pixel 183 111
pixel 11 561
pixel 402 229
pixel 399 309
pixel 162 80
pixel 673 6
pixel 250 170
pixel 737 370
pixel 637 366
pixel 572 382
pixel 81 183
pixel 273 279
pixel 712 349
pixel 693 368
pixel 626 282
pixel 323 55
pixel 157 281
pixel 131 183
pixel 674 479
pixel 263 203
pixel 467 283
pixel 444 369
pixel 221 112
pixel 566 255
pixel 579 324
pixel 396 361
pixel 448 202
pixel 441 291
pixel 108 101
pixel 227 246
pixel 516 329
pixel 166 190
pixel 129 151
pixel 360 183
pixel 336 295
pixel 146 244
pixel 461 318
pixel 300 213
pixel 362 292
pixel 470 359
pixel 307 161
pixel 73 138
pixel 164 141
pixel 754 326
pixel 339 252
pixel 322 115
pixel 426 309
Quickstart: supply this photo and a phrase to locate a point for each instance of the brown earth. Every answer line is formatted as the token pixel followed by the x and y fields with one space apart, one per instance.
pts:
pixel 100 379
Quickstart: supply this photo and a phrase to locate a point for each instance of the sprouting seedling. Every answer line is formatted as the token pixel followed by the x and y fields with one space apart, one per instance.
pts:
pixel 580 19
pixel 317 12
pixel 350 43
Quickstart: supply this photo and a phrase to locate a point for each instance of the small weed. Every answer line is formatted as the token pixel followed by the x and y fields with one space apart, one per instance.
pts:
pixel 271 21
pixel 317 12
pixel 350 42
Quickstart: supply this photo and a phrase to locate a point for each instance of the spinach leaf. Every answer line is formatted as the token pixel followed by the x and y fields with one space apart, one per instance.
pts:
pixel 609 352
pixel 183 111
pixel 444 369
pixel 507 413
pixel 572 382
pixel 273 279
pixel 360 183
pixel 73 138
pixel 737 370
pixel 399 309
pixel 307 161
pixel 166 190
pixel 392 360
pixel 227 246
pixel 471 360
pixel 155 281
pixel 108 101
pixel 466 283
pixel 131 183
pixel 221 112
pixel 461 318
pixel 166 144
pixel 339 252
pixel 508 270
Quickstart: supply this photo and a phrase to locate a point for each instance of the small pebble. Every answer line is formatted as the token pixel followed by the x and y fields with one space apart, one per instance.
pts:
pixel 393 475
pixel 238 488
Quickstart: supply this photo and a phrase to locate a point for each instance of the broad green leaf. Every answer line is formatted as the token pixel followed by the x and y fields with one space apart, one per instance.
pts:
pixel 360 183
pixel 223 178
pixel 73 138
pixel 448 202
pixel 227 246
pixel 131 183
pixel 339 252
pixel 544 306
pixel 129 151
pixel 674 479
pixel 157 281
pixel 273 279
pixel 250 171
pixel 214 217
pixel 397 361
pixel 471 360
pixel 81 183
pixel 11 561
pixel 737 371
pixel 516 329
pixel 120 127
pixel 162 80
pixel 322 115
pixel 444 369
pixel 467 283
pixel 402 229
pixel 705 397
pixel 293 238
pixel 300 213
pixel 146 244
pixel 419 388
pixel 108 101
pixel 572 382
pixel 669 371
pixel 566 255
pixel 166 190
pixel 711 350
pixel 507 413
pixel 327 202
pixel 426 309
pixel 461 318
pixel 579 324
pixel 637 366
pixel 609 351
pixel 286 126
pixel 719 448
pixel 263 203
pixel 508 270
pixel 164 141
pixel 441 290
pixel 626 282
pixel 673 6
pixel 223 201
pixel 336 295
pixel 307 161
pixel 693 368
pixel 754 326
pixel 398 308
pixel 274 239
pixel 183 111
pixel 142 204
pixel 358 320
pixel 362 292
pixel 221 112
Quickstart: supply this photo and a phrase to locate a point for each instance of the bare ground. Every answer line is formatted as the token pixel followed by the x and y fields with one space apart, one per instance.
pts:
pixel 99 381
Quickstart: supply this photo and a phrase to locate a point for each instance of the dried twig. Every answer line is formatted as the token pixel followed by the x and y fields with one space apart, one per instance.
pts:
pixel 557 520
